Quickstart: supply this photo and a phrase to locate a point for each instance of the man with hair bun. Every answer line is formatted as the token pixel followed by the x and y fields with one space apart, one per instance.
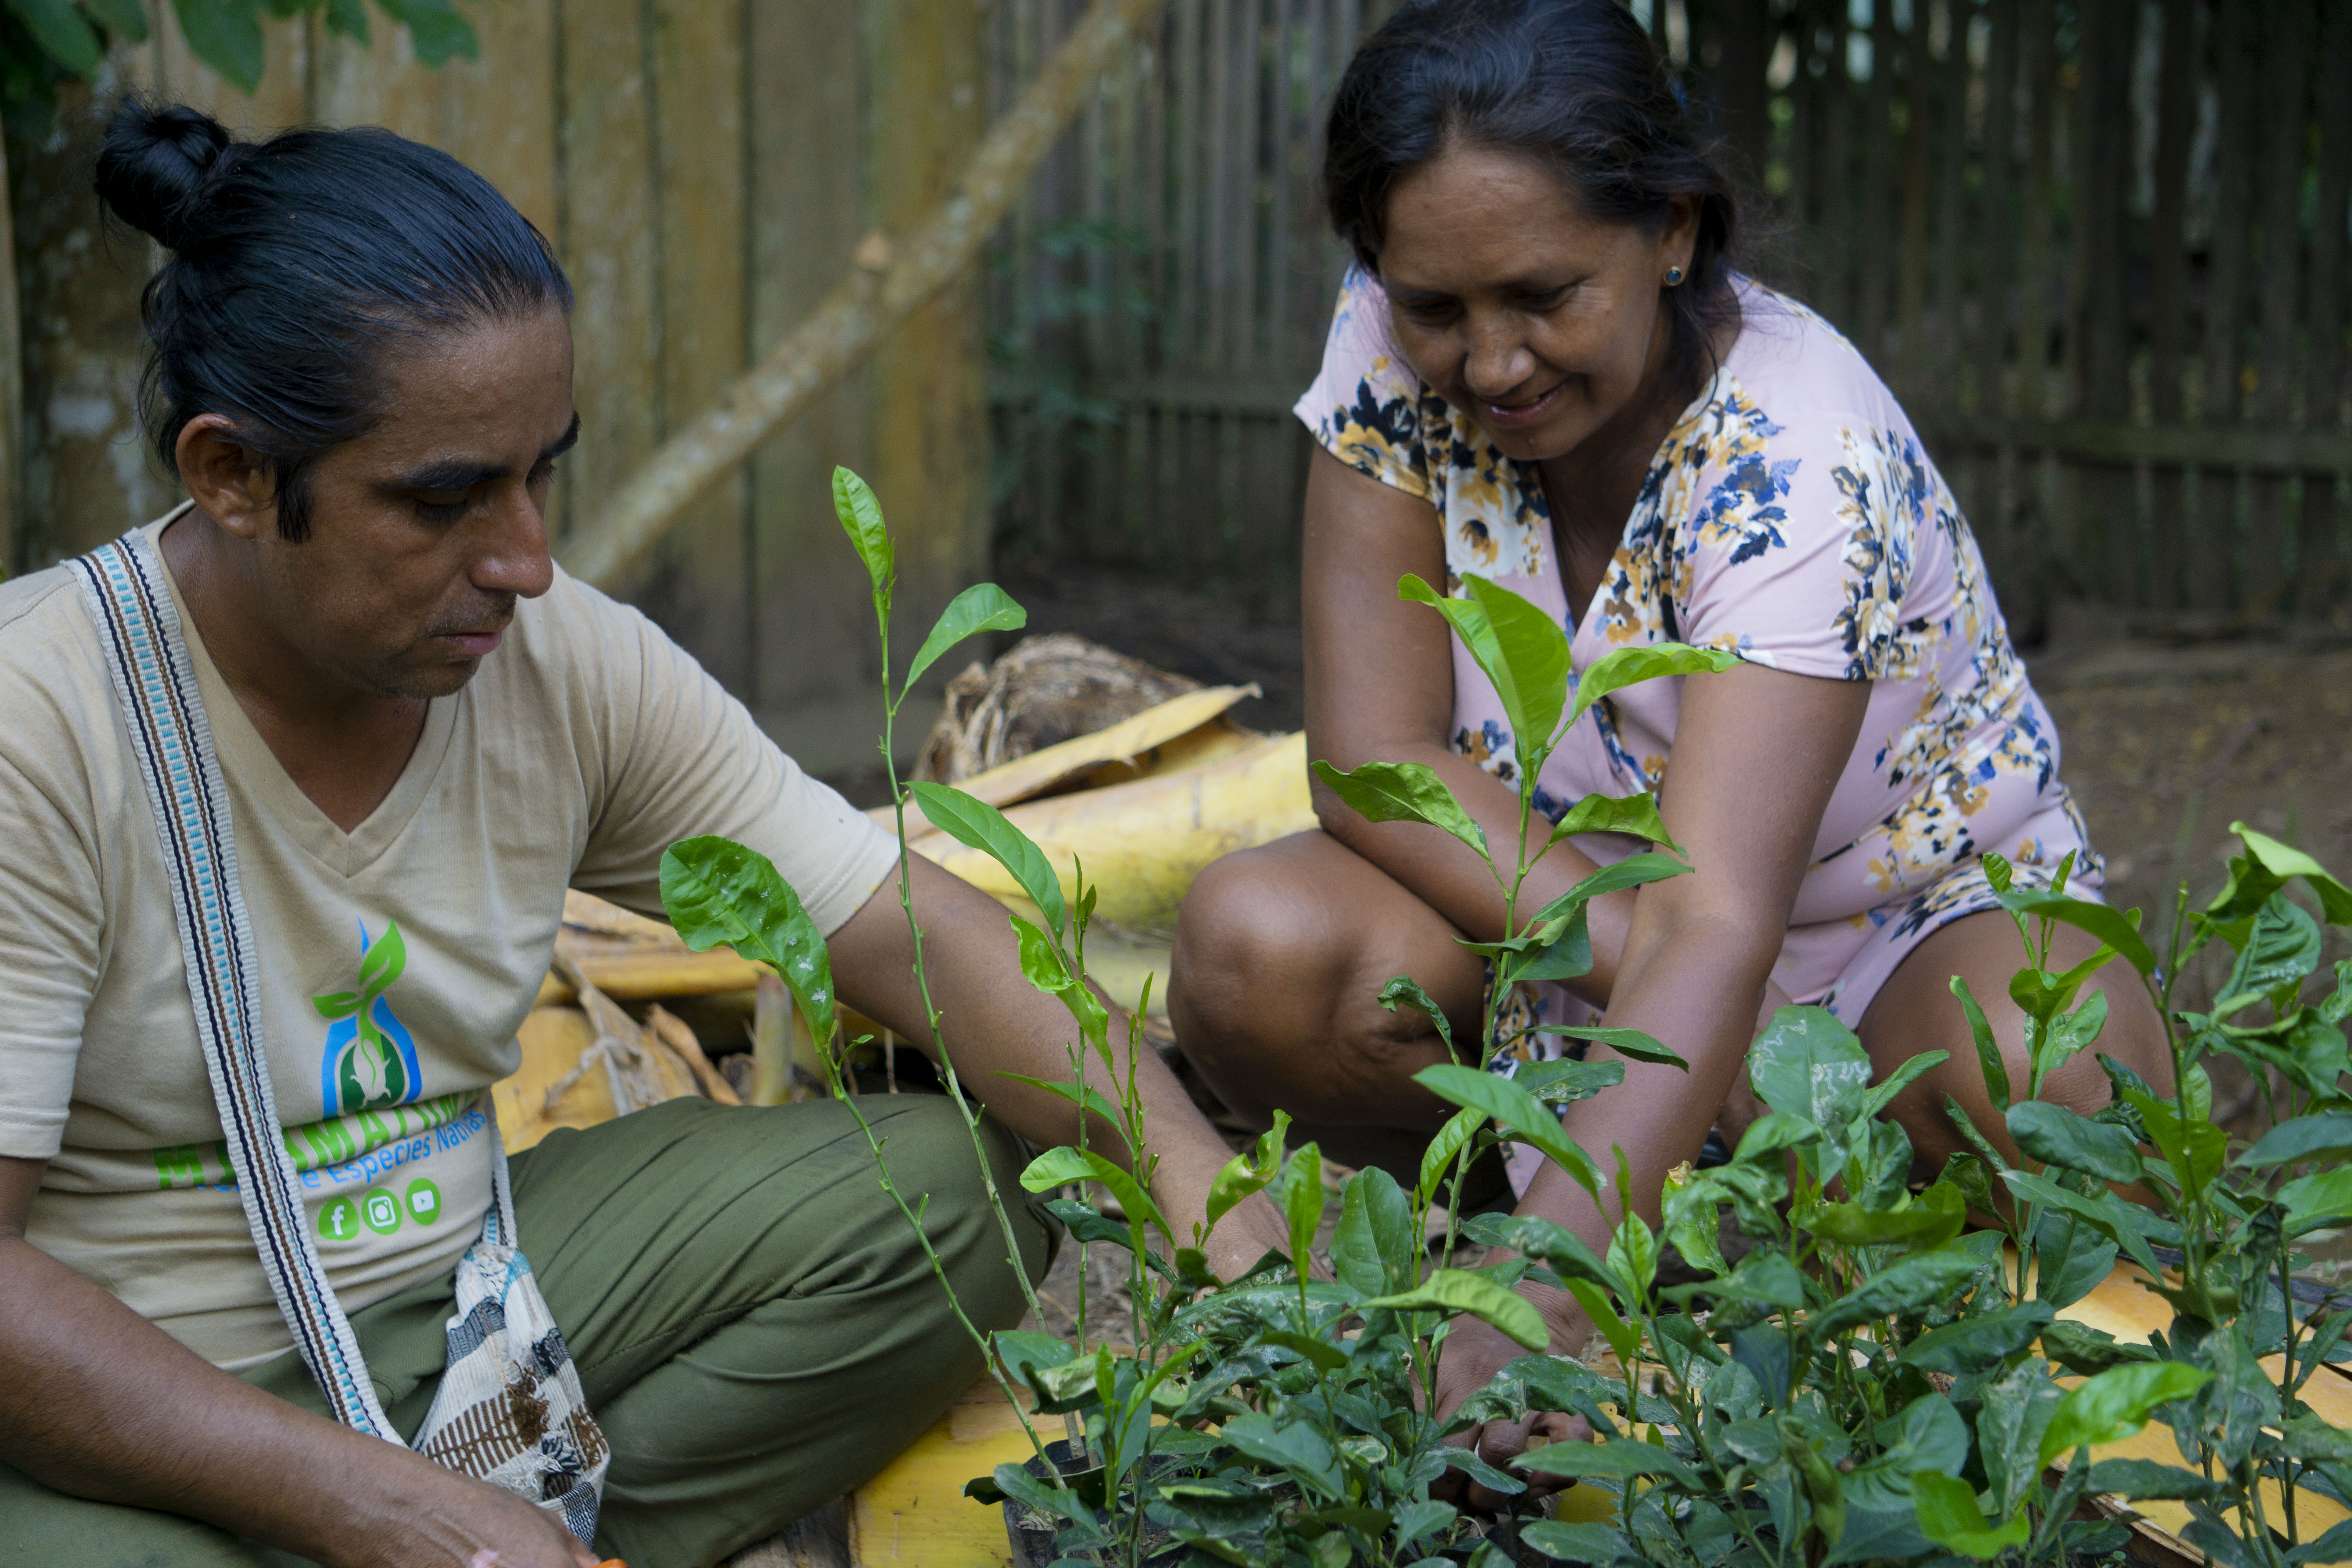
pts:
pixel 293 780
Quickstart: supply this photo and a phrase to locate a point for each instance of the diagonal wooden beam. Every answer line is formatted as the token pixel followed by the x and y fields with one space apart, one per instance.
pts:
pixel 891 280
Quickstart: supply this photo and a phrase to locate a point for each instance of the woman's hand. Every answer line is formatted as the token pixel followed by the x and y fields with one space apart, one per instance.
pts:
pixel 1473 1353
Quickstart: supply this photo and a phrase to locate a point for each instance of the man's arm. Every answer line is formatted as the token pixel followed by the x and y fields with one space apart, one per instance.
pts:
pixel 97 1402
pixel 996 1023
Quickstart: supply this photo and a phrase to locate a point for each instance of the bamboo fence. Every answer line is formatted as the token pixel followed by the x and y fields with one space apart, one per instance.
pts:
pixel 2098 246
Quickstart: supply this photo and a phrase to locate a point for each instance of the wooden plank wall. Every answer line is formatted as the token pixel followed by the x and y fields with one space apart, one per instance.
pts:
pixel 2099 247
pixel 705 169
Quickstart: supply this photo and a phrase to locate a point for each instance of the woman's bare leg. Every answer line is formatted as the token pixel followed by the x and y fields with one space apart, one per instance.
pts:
pixel 1281 953
pixel 1915 1011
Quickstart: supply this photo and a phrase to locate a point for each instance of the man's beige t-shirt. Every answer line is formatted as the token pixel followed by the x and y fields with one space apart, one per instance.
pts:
pixel 396 960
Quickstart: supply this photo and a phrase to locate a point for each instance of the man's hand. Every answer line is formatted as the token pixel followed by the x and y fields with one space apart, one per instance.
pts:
pixel 471 1524
pixel 1250 1230
pixel 1473 1353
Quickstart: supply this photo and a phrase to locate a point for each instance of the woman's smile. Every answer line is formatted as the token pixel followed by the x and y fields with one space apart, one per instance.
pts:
pixel 1524 413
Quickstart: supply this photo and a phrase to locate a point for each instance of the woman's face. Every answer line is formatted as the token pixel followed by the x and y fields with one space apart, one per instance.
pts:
pixel 1541 323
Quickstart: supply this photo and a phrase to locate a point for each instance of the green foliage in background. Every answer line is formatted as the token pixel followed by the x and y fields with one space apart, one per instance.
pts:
pixel 44 43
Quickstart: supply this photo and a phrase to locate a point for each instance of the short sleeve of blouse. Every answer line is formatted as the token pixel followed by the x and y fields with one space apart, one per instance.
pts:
pixel 1811 546
pixel 1364 407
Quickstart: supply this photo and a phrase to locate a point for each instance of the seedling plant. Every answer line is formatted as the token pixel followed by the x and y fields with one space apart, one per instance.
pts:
pixel 1871 1381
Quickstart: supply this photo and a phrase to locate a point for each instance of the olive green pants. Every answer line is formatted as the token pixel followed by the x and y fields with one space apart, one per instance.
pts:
pixel 753 1322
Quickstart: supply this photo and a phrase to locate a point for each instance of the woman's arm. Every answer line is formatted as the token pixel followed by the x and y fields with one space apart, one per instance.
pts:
pixel 1380 688
pixel 1757 755
pixel 97 1402
pixel 996 1023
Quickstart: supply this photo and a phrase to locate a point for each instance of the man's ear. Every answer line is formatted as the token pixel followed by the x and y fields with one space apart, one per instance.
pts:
pixel 234 485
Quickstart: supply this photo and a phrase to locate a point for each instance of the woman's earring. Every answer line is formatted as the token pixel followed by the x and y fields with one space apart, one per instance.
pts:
pixel 1673 277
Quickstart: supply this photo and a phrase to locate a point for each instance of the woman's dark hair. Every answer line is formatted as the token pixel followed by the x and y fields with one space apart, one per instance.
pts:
pixel 294 261
pixel 1575 83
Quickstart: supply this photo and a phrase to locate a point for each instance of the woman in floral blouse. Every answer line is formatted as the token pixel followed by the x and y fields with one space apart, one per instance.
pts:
pixel 1543 371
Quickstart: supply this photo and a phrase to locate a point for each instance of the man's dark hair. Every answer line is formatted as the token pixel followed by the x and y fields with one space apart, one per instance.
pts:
pixel 1574 83
pixel 294 261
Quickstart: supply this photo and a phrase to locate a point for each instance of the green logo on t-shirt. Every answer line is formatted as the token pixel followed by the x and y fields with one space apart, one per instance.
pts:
pixel 381 1213
pixel 340 1220
pixel 370 1057
pixel 424 1201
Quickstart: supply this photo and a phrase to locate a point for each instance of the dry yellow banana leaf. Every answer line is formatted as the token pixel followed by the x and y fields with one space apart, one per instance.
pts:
pixel 1178 733
pixel 554 1040
pixel 1143 843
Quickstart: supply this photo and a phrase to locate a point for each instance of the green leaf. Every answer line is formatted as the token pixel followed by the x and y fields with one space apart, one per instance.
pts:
pixel 2327 1136
pixel 1632 871
pixel 1630 1043
pixel 1599 1544
pixel 2266 867
pixel 1372 1250
pixel 1948 1515
pixel 1690 1216
pixel 348 18
pixel 1534 662
pixel 1323 1357
pixel 983 607
pixel 1563 1081
pixel 1458 1290
pixel 1438 1157
pixel 861 519
pixel 2137 1478
pixel 2083 1350
pixel 2281 952
pixel 977 825
pixel 1927 1222
pixel 1058 1167
pixel 1989 1056
pixel 1630 666
pixel 2317 1199
pixel 1880 1095
pixel 64 33
pixel 2116 1404
pixel 1524 654
pixel 437 29
pixel 1402 791
pixel 1917 1282
pixel 1249 1171
pixel 2057 1136
pixel 1041 966
pixel 1636 814
pixel 1773 1132
pixel 126 17
pixel 1554 1246
pixel 2194 1148
pixel 1514 1108
pixel 2105 1214
pixel 1298 1448
pixel 1078 1094
pixel 1623 1459
pixel 716 892
pixel 1804 1061
pixel 2106 924
pixel 2015 1413
pixel 1561 950
pixel 1300 1190
pixel 1403 990
pixel 1623 1338
pixel 1978 1340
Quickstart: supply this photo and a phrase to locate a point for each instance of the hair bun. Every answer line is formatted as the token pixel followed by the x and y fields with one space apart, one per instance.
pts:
pixel 152 161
